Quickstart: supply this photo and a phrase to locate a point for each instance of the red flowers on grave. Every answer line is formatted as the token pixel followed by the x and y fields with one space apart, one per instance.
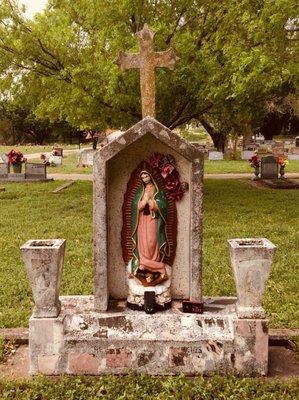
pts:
pixel 254 161
pixel 16 157
pixel 165 166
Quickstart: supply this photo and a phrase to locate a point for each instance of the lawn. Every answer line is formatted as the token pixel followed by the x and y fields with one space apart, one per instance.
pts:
pixel 31 149
pixel 141 387
pixel 239 166
pixel 210 167
pixel 70 162
pixel 232 209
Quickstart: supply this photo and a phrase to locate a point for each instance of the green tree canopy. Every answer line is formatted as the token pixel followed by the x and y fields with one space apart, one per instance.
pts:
pixel 235 57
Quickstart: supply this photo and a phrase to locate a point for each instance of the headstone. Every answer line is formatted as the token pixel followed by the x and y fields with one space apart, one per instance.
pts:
pixel 147 240
pixel 247 154
pixel 4 170
pixel 215 155
pixel 294 154
pixel 56 160
pixel 86 157
pixel 57 151
pixel 269 168
pixel 63 186
pixel 3 158
pixel 35 171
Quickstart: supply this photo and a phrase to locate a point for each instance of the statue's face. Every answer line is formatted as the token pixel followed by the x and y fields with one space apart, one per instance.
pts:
pixel 145 177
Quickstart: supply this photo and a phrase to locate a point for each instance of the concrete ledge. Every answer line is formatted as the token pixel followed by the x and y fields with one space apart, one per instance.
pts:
pixel 277 337
pixel 119 341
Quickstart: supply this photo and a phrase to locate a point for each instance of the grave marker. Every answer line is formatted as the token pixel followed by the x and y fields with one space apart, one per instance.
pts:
pixel 56 160
pixel 215 155
pixel 147 239
pixel 35 171
pixel 3 158
pixel 247 154
pixel 4 170
pixel 269 168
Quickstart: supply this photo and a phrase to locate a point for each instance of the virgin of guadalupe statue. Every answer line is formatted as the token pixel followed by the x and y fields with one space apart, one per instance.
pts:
pixel 148 235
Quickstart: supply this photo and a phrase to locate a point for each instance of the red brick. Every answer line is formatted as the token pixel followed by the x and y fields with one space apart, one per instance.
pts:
pixel 118 358
pixel 83 363
pixel 47 364
pixel 177 356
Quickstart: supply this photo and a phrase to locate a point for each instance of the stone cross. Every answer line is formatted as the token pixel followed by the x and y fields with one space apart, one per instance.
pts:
pixel 147 60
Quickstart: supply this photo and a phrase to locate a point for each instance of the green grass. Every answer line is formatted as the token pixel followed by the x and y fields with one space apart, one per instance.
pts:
pixel 239 166
pixel 141 387
pixel 232 209
pixel 210 167
pixel 36 149
pixel 195 135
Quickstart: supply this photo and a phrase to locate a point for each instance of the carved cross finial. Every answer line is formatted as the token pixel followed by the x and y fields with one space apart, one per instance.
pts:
pixel 147 60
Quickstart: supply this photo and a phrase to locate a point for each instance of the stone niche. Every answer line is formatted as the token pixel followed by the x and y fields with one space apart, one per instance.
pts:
pixel 113 165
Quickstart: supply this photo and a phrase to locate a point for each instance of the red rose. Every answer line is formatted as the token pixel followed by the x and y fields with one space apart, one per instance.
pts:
pixel 167 170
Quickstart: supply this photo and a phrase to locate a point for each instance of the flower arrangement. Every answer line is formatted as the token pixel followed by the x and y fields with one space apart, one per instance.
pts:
pixel 165 166
pixel 282 161
pixel 16 157
pixel 255 161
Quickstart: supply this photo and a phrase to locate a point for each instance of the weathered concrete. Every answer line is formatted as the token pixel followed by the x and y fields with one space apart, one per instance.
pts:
pixel 82 341
pixel 113 165
pixel 35 171
pixel 85 157
pixel 269 168
pixel 251 261
pixel 147 60
pixel 282 363
pixel 44 261
pixel 4 170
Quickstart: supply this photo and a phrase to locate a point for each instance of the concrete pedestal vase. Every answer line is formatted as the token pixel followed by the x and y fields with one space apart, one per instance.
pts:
pixel 44 260
pixel 251 261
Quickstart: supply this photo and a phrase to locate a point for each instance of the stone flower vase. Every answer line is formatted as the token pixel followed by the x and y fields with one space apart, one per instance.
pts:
pixel 251 261
pixel 17 168
pixel 282 171
pixel 256 172
pixel 44 260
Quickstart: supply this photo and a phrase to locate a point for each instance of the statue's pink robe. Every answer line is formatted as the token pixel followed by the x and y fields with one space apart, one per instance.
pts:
pixel 148 247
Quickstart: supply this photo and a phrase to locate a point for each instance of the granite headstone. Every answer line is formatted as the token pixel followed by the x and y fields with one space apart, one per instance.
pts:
pixel 35 171
pixel 269 168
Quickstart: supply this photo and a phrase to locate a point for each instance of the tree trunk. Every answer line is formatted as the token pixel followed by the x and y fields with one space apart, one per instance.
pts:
pixel 218 137
pixel 247 134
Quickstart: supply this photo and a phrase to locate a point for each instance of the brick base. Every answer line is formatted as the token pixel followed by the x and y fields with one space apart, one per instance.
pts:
pixel 119 341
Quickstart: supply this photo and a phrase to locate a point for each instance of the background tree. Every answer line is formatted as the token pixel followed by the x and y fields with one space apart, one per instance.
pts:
pixel 236 56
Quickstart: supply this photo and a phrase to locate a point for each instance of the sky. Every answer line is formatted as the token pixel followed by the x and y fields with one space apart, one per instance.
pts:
pixel 33 6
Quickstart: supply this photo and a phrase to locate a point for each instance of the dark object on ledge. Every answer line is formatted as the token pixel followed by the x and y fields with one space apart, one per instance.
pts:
pixel 194 307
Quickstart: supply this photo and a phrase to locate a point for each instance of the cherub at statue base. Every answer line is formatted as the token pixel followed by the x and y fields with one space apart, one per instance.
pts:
pixel 146 297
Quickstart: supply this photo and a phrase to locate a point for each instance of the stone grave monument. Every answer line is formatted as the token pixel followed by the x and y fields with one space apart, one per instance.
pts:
pixel 215 155
pixel 147 313
pixel 4 170
pixel 34 172
pixel 3 158
pixel 269 168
